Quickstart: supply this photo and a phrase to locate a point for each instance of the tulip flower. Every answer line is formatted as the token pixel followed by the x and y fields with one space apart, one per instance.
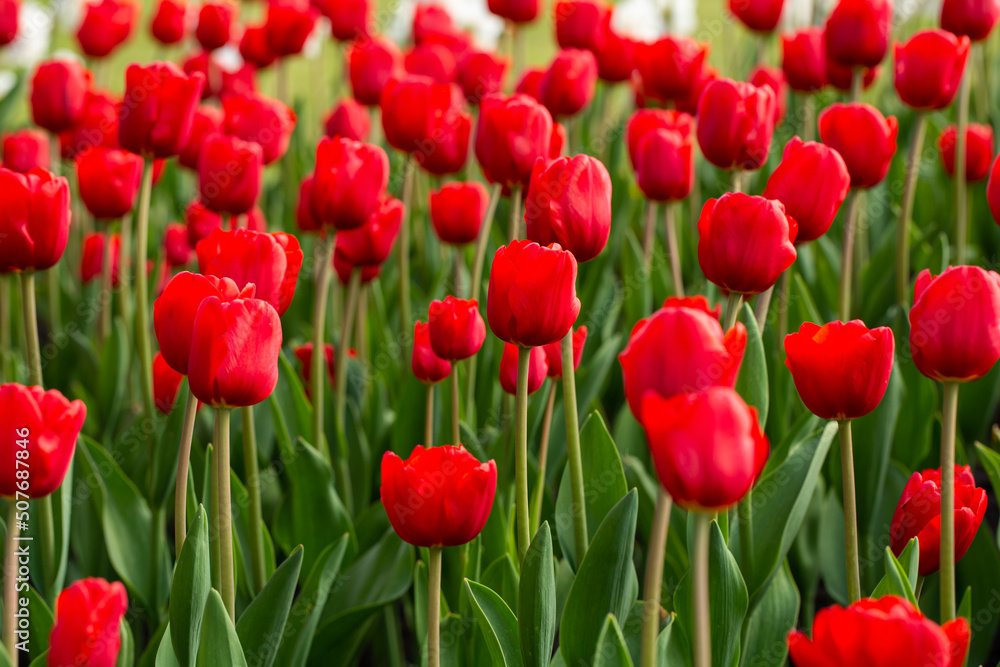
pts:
pixel 348 18
pixel 761 76
pixel 44 424
pixel 304 218
pixel 350 180
pixel 427 366
pixel 579 23
pixel 348 119
pixel 429 121
pixel 929 69
pixel 568 85
pixel 974 19
pixel 87 628
pixel 345 270
pixel 208 120
pixel 512 133
pixel 25 150
pixel 661 147
pixel 863 137
pixel 457 211
pixel 200 222
pixel 979 155
pixel 176 249
pixel 169 24
pixel 874 632
pixel 9 12
pixel 841 77
pixel 255 47
pixel 34 221
pixel 371 243
pixel 759 15
pixel 98 126
pixel 262 120
pixel 670 67
pixel 531 81
pixel 229 174
pixel 166 384
pixel 689 103
pixel 106 25
pixel 538 369
pixel 95 253
pixel 481 73
pixel 372 63
pixel 433 23
pixel 216 20
pixel 432 60
pixel 108 181
pixel 457 330
pixel 59 94
pixel 515 11
pixel 289 24
pixel 553 354
pixel 735 124
pixel 803 59
pixel 158 108
pixel 857 32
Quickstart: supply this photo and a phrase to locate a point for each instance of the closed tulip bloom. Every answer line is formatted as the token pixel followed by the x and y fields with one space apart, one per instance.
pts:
pixel 457 329
pixel 978 151
pixel 841 371
pixel 348 119
pixel 59 93
pixel 745 243
pixel 166 384
pixel 271 262
pixel 98 126
pixel 759 15
pixel 864 138
pixel 457 211
pixel 532 294
pixel 176 249
pixel 235 350
pixel 439 497
pixel 262 120
pixel 644 121
pixel 929 69
pixel 208 120
pixel 616 55
pixel 93 255
pixel 707 447
pixel 229 174
pixel 9 11
pixel 255 47
pixel 670 67
pixel 538 368
pixel 108 181
pixel 735 124
pixel 289 24
pixel 569 203
pixel 157 112
pixel 803 59
pixel 304 353
pixel 579 23
pixel 350 179
pixel 87 628
pixel 553 353
pixel 25 150
pixel 955 323
pixel 215 23
pixel 762 75
pixel 665 162
pixel 427 366
pixel 372 63
pixel 34 220
pixel 200 222
pixel 512 133
pixel 432 60
pixel 481 73
pixel 46 425
pixel 348 18
pixel 689 103
pixel 842 77
pixel 857 32
pixel 812 182
pixel 169 24
pixel 993 191
pixel 345 270
pixel 106 25
pixel 371 243
pixel 531 81
pixel 428 120
pixel 304 218
pixel 569 84
pixel 879 633
pixel 974 19
pixel 515 11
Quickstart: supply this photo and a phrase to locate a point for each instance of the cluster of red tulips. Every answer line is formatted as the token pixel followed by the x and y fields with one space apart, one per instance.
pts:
pixel 279 552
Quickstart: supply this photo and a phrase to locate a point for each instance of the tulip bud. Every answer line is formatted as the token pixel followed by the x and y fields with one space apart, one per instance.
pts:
pixel 670 67
pixel 169 24
pixel 689 103
pixel 345 270
pixel 215 23
pixel 515 11
pixel 25 150
pixel 59 94
pixel 348 18
pixel 98 126
pixel 34 220
pixel 304 217
pixel 481 73
pixel 9 12
pixel 262 120
pixel 864 138
pixel 200 222
pixel 304 354
pixel 531 81
pixel 166 384
pixel 579 23
pixel 95 253
pixel 106 24
pixel 512 133
pixel 289 24
pixel 569 84
pixel 177 250
pixel 457 211
pixel 803 59
pixel 735 124
pixel 759 15
pixel 553 353
pixel 974 19
pixel 427 366
pixel 842 77
pixel 457 329
pixel 348 119
pixel 929 69
pixel 661 147
pixel 857 32
pixel 372 63
pixel 371 243
pixel 978 151
pixel 208 120
pixel 157 112
pixel 432 60
pixel 87 628
pixel 108 181
pixel 350 179
pixel 761 76
pixel 229 174
pixel 538 368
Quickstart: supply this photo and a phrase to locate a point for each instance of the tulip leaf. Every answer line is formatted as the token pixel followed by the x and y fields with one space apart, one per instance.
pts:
pixel 536 607
pixel 768 625
pixel 502 577
pixel 605 583
pixel 62 506
pixel 611 649
pixel 751 383
pixel 264 620
pixel 241 533
pixel 126 654
pixel 603 480
pixel 5 657
pixel 219 643
pixel 112 376
pixel 40 661
pixel 292 402
pixel 41 623
pixel 991 462
pixel 497 623
pixel 165 652
pixel 873 438
pixel 168 450
pixel 895 581
pixel 189 591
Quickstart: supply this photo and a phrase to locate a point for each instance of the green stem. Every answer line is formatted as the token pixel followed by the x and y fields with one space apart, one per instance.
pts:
pixel 434 608
pixel 226 516
pixel 105 305
pixel 521 453
pixel 649 237
pixel 786 291
pixel 10 580
pixel 214 528
pixel 744 513
pixel 456 432
pixel 317 375
pixel 736 181
pixel 183 463
pixel 142 298
pixel 125 271
pixel 699 575
pixel 55 302
pixel 763 306
pixel 256 518
pixel 482 241
pixel 948 429
pixel 343 345
pixel 809 117
pixel 857 84
pixel 406 323
pixel 5 343
pixel 543 455
pixel 961 185
pixel 732 310
pixel 33 350
pixel 674 249
pixel 514 225
pixel 573 454
pixel 655 557
pixel 906 209
pixel 429 418
pixel 847 254
pixel 850 512
pixel 518 55
pixel 47 537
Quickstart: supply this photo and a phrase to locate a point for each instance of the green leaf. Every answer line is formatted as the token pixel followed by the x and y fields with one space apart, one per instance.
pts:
pixel 611 650
pixel 189 591
pixel 5 657
pixel 113 374
pixel 219 643
pixel 41 623
pixel 605 583
pixel 536 608
pixel 292 402
pixel 991 462
pixel 264 620
pixel 168 450
pixel 751 383
pixel 896 572
pixel 873 436
pixel 768 625
pixel 497 623
pixel 603 480
pixel 126 654
pixel 502 577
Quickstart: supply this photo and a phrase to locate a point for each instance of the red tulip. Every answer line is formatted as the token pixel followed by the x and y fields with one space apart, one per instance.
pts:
pixel 616 55
pixel 569 84
pixel 432 60
pixel 177 250
pixel 955 323
pixel 109 181
pixel 348 119
pixel 993 190
pixel 158 109
pixel 9 10
pixel 428 120
pixel 271 262
pixel 304 218
pixel 707 447
pixel 87 628
pixel 433 23
pixel 229 174
pixel 304 354
pixel 745 243
pixel 864 138
pixel 457 329
pixel 879 633
pixel 350 180
pixel 735 124
pixel 200 222
pixel 372 63
pixel 371 243
pixel 974 19
pixel 25 150
pixel 761 76
pixel 216 21
pixel 439 497
pixel 929 69
pixel 427 366
pixel 169 24
pixel 646 121
pixel 481 73
pixel 538 368
pixel 289 23
pixel 558 141
pixel 512 133
pixel 166 384
pixel 759 15
pixel 661 146
pixel 978 155
pixel 812 182
pixel 857 32
pixel 59 94
pixel 569 203
pixel 348 18
pixel 34 220
pixel 532 294
pixel 803 59
pixel 457 211
pixel 841 77
pixel 531 81
pixel 95 253
pixel 579 23
pixel 262 120
pixel 515 11
pixel 45 425
pixel 670 67
pixel 208 120
pixel 553 353
pixel 255 47
pixel 106 24
pixel 345 270
pixel 98 126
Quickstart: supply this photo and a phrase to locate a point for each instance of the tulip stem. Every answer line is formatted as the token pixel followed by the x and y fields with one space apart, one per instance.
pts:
pixel 343 346
pixel 521 453
pixel 736 181
pixel 104 328
pixel 213 532
pixel 225 515
pixel 10 580
pixel 543 455
pixel 514 228
pixel 434 608
pixel 699 577
pixel 674 249
pixel 573 455
pixel 256 518
pixel 847 254
pixel 429 418
pixel 809 117
pixel 406 323
pixel 517 49
pixel 649 238
pixel 654 578
pixel 55 303
pixel 961 185
pixel 32 348
pixel 857 84
pixel 906 209
pixel 456 432
pixel 125 270
pixel 732 310
pixel 5 342
pixel 948 428
pixel 317 377
pixel 482 241
pixel 183 463
pixel 142 300
pixel 850 511
pixel 786 291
